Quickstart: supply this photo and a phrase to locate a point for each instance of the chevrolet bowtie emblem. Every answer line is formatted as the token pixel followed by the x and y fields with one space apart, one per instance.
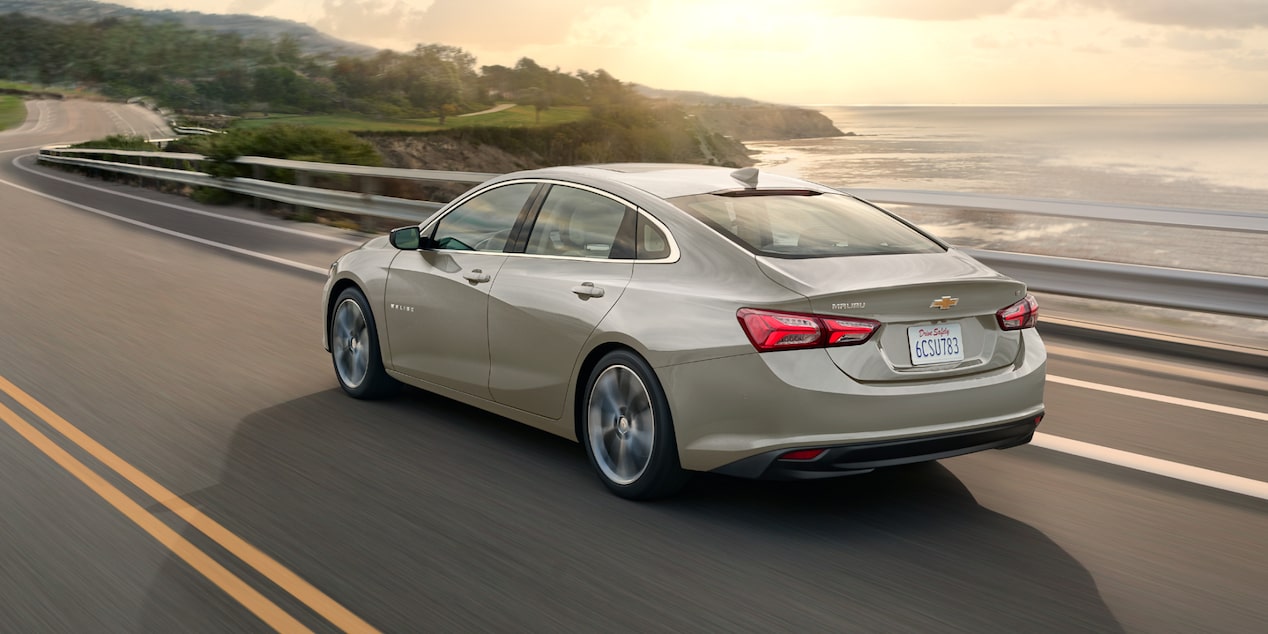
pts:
pixel 945 302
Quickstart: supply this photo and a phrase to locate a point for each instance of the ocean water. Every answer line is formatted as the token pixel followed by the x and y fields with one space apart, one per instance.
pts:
pixel 1197 157
pixel 1203 157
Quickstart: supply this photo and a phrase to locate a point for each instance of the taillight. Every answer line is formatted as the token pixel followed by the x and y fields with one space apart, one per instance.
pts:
pixel 1021 315
pixel 774 330
pixel 848 331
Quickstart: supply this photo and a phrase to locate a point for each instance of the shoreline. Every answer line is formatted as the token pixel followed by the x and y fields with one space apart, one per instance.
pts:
pixel 1197 159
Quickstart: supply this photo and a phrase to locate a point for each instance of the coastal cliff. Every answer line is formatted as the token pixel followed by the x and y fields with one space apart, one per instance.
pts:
pixel 708 134
pixel 764 122
pixel 648 135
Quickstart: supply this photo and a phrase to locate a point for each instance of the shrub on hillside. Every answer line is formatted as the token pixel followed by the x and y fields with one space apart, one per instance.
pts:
pixel 615 134
pixel 119 142
pixel 296 143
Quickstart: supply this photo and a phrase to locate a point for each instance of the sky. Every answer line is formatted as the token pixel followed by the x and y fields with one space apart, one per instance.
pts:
pixel 837 51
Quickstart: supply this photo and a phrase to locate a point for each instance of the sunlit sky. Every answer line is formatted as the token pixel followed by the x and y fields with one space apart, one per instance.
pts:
pixel 838 51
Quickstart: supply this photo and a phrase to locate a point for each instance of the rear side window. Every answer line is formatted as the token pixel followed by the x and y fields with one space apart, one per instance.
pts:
pixel 805 224
pixel 581 224
pixel 651 243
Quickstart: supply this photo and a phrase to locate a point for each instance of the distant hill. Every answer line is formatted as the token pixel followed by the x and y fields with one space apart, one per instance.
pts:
pixel 746 119
pixel 695 98
pixel 311 40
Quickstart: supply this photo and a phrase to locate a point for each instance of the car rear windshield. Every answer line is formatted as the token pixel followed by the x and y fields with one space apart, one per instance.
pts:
pixel 805 224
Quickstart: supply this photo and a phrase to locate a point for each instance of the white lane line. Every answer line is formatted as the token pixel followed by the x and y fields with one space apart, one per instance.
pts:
pixel 176 234
pixel 1158 367
pixel 197 212
pixel 25 149
pixel 1156 466
pixel 120 121
pixel 1161 398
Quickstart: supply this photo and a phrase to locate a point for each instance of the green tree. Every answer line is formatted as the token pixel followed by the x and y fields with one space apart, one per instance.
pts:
pixel 274 85
pixel 286 50
pixel 447 110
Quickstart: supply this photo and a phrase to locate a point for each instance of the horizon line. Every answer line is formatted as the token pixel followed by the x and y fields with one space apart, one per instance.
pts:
pixel 1030 105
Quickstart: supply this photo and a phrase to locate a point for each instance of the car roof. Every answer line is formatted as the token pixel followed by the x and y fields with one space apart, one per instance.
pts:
pixel 669 180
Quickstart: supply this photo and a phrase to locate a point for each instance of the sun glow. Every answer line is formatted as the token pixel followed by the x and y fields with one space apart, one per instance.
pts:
pixel 838 51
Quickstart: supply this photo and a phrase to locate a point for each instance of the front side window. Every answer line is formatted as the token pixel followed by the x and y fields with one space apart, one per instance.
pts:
pixel 578 223
pixel 484 222
pixel 803 224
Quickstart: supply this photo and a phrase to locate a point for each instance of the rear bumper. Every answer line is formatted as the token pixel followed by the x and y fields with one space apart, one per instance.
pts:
pixel 864 457
pixel 730 409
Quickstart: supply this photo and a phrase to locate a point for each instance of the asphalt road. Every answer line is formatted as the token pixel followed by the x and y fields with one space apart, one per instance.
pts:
pixel 176 456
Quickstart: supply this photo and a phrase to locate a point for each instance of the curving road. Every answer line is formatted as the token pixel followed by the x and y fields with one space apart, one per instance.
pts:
pixel 176 456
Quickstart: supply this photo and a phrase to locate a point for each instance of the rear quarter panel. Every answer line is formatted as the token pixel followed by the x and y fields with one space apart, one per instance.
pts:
pixel 684 311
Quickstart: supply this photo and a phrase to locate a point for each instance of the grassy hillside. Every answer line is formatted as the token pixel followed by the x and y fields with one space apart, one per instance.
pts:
pixel 516 117
pixel 12 112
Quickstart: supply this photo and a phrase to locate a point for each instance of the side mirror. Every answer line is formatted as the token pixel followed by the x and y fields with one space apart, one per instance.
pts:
pixel 406 238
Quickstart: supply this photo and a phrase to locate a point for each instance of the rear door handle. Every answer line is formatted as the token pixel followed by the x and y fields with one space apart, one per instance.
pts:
pixel 476 276
pixel 588 290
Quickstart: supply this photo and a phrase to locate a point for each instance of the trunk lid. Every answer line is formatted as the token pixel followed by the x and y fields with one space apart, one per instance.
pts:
pixel 908 294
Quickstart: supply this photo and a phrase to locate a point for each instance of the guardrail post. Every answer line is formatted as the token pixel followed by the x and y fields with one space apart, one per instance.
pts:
pixel 257 172
pixel 303 179
pixel 369 186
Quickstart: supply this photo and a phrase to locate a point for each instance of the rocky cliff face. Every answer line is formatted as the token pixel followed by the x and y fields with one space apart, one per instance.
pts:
pixel 658 139
pixel 765 122
pixel 710 135
pixel 434 152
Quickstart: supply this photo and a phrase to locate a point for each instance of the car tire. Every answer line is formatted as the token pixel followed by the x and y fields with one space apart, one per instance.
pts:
pixel 354 348
pixel 627 429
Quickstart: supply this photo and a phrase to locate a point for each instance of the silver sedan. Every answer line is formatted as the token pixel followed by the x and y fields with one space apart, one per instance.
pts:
pixel 676 318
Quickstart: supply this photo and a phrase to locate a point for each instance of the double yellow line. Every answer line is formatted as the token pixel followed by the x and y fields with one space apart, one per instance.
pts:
pixel 231 584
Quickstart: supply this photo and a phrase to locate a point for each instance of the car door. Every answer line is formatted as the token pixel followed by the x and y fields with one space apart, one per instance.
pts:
pixel 546 302
pixel 437 298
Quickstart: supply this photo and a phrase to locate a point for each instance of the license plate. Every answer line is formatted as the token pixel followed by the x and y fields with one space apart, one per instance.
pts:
pixel 935 344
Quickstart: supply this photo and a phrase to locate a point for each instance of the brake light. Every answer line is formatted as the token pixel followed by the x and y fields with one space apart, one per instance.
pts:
pixel 802 455
pixel 775 330
pixel 1021 315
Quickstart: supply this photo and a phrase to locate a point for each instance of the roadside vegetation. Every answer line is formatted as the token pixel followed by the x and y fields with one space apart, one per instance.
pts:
pixel 119 142
pixel 270 98
pixel 515 117
pixel 19 87
pixel 296 143
pixel 222 72
pixel 12 112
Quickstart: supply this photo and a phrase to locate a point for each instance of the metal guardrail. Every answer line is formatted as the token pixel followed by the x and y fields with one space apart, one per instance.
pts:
pixel 1181 289
pixel 1220 293
pixel 402 209
pixel 1191 218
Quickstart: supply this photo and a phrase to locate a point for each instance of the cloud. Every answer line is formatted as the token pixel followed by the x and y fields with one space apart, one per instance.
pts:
pixel 986 41
pixel 490 25
pixel 249 6
pixel 605 27
pixel 1032 40
pixel 936 10
pixel 1254 61
pixel 1196 14
pixel 502 24
pixel 369 21
pixel 1189 41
